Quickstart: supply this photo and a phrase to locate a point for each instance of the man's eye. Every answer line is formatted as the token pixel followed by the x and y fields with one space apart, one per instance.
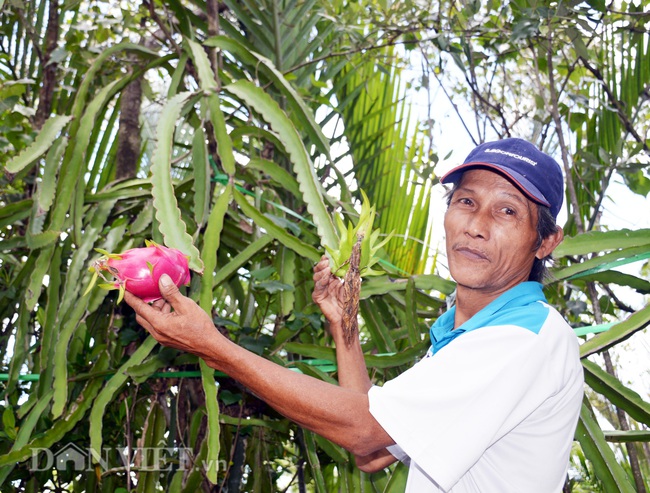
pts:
pixel 509 211
pixel 464 200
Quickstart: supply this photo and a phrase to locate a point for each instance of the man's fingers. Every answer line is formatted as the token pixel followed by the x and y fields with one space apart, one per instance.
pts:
pixel 170 292
pixel 162 306
pixel 322 264
pixel 143 323
pixel 144 311
pixel 139 306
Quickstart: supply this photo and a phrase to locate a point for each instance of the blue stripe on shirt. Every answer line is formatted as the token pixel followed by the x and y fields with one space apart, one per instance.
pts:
pixel 518 306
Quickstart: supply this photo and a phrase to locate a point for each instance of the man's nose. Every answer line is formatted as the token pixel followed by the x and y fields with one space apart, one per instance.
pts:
pixel 478 224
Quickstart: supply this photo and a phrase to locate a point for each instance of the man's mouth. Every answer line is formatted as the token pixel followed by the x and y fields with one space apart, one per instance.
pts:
pixel 471 253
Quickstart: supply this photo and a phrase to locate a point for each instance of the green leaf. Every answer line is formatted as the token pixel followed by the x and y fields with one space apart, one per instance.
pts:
pixel 397 481
pixel 411 313
pixel 153 434
pixel 284 223
pixel 617 393
pixel 600 241
pixel 140 373
pixel 211 242
pixel 224 142
pixel 383 285
pixel 285 263
pixel 213 430
pixel 96 221
pixel 619 332
pixel 73 308
pixel 614 277
pixel 14 212
pixel 36 280
pixel 598 451
pixel 168 214
pixel 602 262
pixel 143 220
pixel 312 192
pixel 241 258
pixel 75 155
pixel 273 286
pixel 287 239
pixel 107 394
pixel 201 174
pixel 42 143
pixel 9 422
pixel 26 429
pixel 202 64
pixel 578 42
pixel 277 174
pixel 376 324
pixel 300 110
pixel 391 360
pixel 61 427
pixel 50 329
pixel 621 436
pixel 42 240
pixel 98 64
pixel 638 182
pixel 314 462
pixel 47 186
pixel 338 454
pixel 209 86
pixel 262 273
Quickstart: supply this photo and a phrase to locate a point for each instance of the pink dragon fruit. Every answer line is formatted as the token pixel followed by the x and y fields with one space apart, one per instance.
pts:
pixel 138 270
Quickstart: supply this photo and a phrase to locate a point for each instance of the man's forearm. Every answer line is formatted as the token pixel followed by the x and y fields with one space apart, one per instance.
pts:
pixel 353 374
pixel 351 365
pixel 338 414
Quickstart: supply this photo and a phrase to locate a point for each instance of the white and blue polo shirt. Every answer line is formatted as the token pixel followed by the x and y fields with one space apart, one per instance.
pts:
pixel 494 405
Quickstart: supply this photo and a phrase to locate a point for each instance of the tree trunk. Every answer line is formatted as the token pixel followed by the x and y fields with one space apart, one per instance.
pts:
pixel 49 67
pixel 128 135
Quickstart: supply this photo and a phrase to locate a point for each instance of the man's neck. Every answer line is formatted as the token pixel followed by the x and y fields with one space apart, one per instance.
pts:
pixel 469 301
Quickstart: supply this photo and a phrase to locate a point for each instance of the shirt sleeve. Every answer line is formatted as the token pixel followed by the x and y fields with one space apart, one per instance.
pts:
pixel 397 452
pixel 449 408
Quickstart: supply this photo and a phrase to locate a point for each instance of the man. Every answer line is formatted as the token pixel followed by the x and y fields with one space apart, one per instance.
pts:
pixel 494 405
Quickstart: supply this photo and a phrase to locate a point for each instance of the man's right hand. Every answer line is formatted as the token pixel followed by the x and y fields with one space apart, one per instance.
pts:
pixel 328 292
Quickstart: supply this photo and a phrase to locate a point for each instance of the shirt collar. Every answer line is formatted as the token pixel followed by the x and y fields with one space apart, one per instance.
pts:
pixel 442 331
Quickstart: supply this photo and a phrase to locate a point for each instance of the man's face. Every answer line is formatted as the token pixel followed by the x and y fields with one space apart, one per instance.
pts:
pixel 490 233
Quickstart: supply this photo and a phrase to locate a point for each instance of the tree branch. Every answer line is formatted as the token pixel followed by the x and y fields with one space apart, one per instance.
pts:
pixel 615 103
pixel 555 113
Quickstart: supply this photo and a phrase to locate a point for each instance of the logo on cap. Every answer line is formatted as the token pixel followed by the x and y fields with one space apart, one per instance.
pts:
pixel 513 155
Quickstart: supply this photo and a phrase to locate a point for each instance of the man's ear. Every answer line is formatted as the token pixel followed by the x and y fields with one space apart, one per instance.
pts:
pixel 550 243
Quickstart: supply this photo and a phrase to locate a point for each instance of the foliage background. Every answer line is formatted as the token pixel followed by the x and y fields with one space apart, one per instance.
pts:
pixel 235 131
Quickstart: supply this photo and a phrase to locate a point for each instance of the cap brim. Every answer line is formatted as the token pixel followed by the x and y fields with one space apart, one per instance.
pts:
pixel 519 180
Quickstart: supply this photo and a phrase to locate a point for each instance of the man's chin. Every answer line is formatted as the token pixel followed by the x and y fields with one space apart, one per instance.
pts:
pixel 470 278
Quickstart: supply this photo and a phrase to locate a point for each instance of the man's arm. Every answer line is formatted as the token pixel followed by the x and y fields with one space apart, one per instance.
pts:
pixel 352 371
pixel 338 414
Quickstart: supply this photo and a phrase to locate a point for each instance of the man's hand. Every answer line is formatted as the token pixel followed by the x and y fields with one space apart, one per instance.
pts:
pixel 176 321
pixel 328 292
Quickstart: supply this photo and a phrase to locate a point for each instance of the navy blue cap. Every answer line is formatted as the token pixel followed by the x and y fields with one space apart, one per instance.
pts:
pixel 534 172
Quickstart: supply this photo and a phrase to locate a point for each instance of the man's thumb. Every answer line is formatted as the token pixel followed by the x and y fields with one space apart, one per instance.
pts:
pixel 168 289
